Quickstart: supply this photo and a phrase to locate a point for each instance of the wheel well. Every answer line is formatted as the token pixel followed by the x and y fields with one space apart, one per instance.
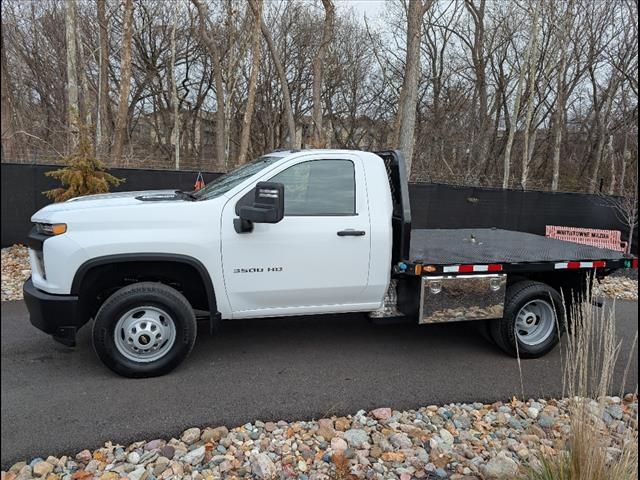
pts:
pixel 572 284
pixel 95 282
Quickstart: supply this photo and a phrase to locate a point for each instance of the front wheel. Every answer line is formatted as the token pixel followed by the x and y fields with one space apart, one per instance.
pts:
pixel 144 330
pixel 533 320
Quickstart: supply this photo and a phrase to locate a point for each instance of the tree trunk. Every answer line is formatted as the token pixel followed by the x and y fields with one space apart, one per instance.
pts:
pixel 125 80
pixel 612 158
pixel 102 115
pixel 481 129
pixel 73 114
pixel 406 120
pixel 256 56
pixel 319 140
pixel 175 137
pixel 9 141
pixel 286 95
pixel 214 51
pixel 532 59
pixel 602 134
pixel 84 82
pixel 626 156
pixel 559 114
pixel 516 107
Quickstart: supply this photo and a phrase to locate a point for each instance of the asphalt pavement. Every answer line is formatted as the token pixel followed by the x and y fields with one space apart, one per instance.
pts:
pixel 58 400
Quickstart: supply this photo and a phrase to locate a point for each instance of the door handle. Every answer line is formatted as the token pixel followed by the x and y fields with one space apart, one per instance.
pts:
pixel 351 233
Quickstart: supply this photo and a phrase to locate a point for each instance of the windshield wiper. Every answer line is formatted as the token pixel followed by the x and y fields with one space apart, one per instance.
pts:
pixel 186 195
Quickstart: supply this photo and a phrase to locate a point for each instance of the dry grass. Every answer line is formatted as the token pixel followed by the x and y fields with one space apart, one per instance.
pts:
pixel 590 353
pixel 341 467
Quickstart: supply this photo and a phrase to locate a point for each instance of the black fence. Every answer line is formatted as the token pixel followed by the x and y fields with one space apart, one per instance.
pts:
pixel 433 205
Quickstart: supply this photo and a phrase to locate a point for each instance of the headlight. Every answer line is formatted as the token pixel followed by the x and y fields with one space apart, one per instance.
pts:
pixel 51 228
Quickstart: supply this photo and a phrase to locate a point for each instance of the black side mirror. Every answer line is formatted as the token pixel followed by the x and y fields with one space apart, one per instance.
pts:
pixel 268 207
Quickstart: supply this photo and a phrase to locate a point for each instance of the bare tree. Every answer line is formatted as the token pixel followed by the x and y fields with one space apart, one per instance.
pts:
pixel 214 51
pixel 626 209
pixel 174 89
pixel 73 112
pixel 9 140
pixel 256 44
pixel 284 85
pixel 406 117
pixel 125 80
pixel 524 67
pixel 319 139
pixel 102 113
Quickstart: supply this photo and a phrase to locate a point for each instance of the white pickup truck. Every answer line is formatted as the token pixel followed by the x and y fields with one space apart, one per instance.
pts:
pixel 291 233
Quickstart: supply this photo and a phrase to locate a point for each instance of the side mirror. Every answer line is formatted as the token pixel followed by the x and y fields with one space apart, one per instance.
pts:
pixel 268 207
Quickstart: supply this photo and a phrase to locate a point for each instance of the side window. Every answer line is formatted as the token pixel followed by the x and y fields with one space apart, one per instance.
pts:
pixel 319 188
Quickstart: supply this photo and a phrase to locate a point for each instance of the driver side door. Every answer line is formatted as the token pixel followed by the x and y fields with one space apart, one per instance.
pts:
pixel 316 259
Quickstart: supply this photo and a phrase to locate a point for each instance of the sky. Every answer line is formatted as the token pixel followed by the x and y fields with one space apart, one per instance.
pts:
pixel 372 8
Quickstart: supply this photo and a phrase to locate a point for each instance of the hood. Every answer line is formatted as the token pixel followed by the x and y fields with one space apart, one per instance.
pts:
pixel 109 200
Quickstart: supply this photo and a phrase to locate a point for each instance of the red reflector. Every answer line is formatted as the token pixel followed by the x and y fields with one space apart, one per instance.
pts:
pixel 599 264
pixel 465 268
pixel 495 268
pixel 573 265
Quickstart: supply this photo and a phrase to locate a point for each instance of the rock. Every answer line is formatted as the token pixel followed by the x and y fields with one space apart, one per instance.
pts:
pixel 92 466
pixel 154 444
pixel 375 452
pixel 325 428
pixel 42 469
pixel 16 467
pixel 381 413
pixel 462 422
pixel 191 435
pixel 214 434
pixel 400 440
pixel 133 457
pixel 84 456
pixel 138 474
pixel 615 411
pixel 546 421
pixel 447 438
pixel 501 467
pixel 168 451
pixel 342 423
pixel 356 438
pixel 194 457
pixel 110 476
pixel 338 444
pixel 262 466
pixel 393 457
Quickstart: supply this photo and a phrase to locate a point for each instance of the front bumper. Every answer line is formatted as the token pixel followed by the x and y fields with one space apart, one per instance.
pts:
pixel 56 315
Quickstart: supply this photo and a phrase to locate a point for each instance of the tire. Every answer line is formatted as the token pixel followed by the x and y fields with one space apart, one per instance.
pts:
pixel 533 318
pixel 156 327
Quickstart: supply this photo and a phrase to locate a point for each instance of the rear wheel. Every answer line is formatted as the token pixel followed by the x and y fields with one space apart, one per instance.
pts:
pixel 144 330
pixel 533 320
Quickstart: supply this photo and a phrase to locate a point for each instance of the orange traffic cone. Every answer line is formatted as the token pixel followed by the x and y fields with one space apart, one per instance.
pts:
pixel 199 182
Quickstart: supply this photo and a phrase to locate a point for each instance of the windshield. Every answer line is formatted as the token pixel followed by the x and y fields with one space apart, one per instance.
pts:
pixel 226 182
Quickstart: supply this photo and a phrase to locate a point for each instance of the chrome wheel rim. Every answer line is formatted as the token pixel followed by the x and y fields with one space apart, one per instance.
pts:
pixel 145 334
pixel 535 322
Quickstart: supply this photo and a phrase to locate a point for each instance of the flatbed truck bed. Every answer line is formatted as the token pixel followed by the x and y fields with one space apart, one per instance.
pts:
pixel 448 250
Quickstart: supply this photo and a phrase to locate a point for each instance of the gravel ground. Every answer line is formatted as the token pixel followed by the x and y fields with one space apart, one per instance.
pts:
pixel 456 441
pixel 15 270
